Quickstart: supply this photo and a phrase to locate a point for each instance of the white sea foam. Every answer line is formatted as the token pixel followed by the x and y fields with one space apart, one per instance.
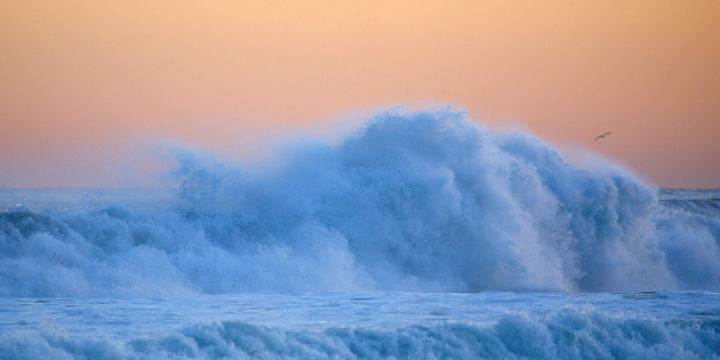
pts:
pixel 565 334
pixel 421 202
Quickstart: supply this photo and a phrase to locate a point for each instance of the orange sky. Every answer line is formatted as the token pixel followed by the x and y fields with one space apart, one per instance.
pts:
pixel 78 78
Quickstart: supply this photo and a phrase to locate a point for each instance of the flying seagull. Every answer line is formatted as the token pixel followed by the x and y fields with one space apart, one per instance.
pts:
pixel 602 136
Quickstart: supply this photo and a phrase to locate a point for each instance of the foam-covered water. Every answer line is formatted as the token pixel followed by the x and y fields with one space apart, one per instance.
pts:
pixel 502 325
pixel 426 203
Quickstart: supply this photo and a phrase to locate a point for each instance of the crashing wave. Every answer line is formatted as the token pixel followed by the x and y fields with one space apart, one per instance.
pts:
pixel 421 202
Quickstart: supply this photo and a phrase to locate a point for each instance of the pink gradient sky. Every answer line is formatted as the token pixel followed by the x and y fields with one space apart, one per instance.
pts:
pixel 81 81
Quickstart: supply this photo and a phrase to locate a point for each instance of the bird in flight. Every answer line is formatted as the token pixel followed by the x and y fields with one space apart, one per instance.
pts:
pixel 602 136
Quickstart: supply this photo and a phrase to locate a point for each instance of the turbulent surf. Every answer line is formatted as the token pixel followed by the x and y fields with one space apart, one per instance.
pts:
pixel 428 204
pixel 419 202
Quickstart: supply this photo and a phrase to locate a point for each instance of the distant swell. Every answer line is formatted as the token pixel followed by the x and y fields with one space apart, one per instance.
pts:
pixel 567 334
pixel 419 202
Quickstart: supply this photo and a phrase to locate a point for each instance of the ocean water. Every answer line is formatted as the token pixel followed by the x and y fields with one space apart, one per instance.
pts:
pixel 419 236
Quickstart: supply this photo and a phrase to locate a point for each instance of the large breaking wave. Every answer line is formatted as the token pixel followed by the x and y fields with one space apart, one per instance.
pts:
pixel 420 202
pixel 567 334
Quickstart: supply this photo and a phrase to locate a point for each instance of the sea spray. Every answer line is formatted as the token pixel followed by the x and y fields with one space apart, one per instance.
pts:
pixel 424 201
